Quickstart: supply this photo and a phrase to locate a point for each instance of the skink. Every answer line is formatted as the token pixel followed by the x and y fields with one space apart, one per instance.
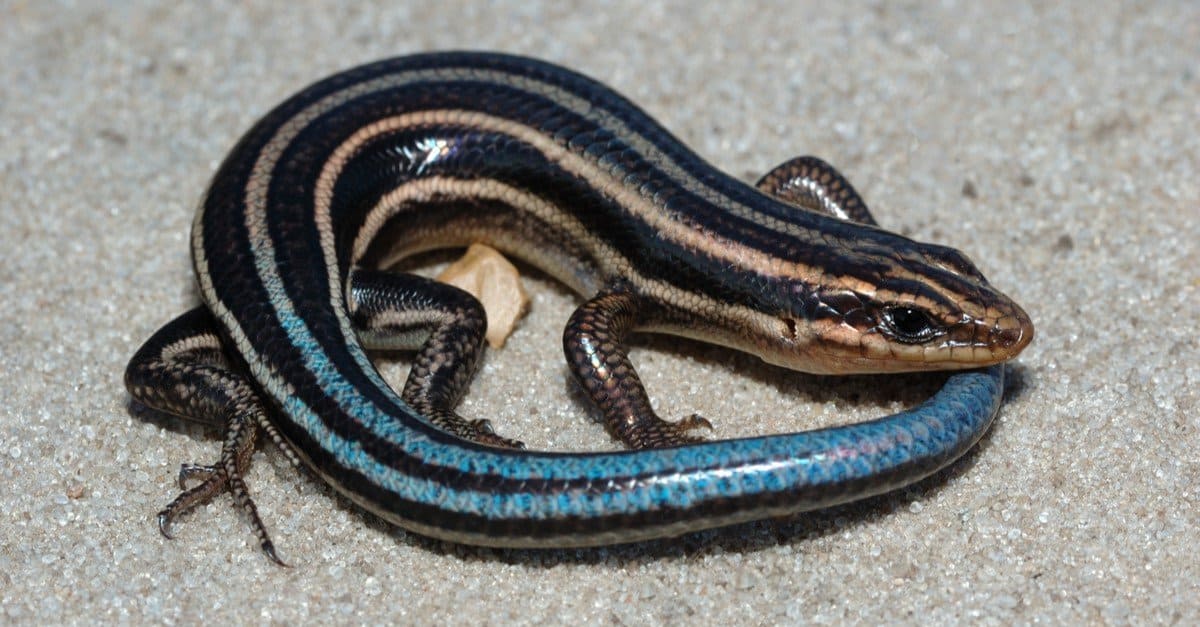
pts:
pixel 293 238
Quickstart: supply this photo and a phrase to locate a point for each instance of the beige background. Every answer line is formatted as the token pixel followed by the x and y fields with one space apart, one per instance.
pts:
pixel 1057 146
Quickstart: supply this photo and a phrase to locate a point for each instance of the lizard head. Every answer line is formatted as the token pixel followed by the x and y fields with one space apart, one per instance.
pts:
pixel 893 305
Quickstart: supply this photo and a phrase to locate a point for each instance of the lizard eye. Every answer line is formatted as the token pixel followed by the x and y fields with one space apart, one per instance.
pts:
pixel 909 325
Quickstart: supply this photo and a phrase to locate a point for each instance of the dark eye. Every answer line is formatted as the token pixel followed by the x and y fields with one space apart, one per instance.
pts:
pixel 910 325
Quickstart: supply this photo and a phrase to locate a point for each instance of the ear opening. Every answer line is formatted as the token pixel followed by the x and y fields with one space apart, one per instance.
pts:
pixel 790 323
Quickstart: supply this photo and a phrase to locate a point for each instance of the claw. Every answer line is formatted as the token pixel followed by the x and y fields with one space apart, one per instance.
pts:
pixel 268 547
pixel 164 524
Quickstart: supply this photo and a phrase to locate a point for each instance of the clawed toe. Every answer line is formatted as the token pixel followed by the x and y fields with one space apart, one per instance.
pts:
pixel 187 472
pixel 479 430
pixel 658 433
pixel 484 434
pixel 693 422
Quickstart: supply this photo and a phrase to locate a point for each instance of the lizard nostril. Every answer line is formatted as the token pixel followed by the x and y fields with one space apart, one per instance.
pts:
pixel 1012 333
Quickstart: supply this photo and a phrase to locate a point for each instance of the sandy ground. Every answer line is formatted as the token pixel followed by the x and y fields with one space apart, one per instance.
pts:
pixel 1058 147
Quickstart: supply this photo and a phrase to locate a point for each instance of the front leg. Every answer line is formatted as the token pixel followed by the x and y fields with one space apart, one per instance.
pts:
pixel 446 326
pixel 815 185
pixel 594 343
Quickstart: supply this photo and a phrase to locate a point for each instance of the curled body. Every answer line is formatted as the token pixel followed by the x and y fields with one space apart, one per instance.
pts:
pixel 293 239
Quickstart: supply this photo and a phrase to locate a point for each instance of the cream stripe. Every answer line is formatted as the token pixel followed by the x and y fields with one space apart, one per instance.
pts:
pixel 731 252
pixel 191 343
pixel 613 263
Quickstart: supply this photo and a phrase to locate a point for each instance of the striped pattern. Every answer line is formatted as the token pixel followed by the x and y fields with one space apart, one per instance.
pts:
pixel 440 150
